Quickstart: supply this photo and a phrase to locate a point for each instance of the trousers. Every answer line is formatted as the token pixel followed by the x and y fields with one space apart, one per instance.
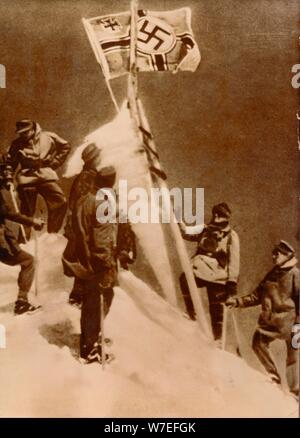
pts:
pixel 261 346
pixel 26 274
pixel 217 295
pixel 90 321
pixel 54 198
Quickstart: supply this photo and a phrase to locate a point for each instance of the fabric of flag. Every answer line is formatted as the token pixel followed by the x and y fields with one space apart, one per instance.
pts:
pixel 165 41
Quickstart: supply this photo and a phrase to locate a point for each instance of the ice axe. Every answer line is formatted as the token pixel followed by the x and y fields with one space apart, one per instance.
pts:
pixel 228 308
pixel 103 356
pixel 236 329
pixel 36 258
pixel 224 327
pixel 237 333
pixel 36 255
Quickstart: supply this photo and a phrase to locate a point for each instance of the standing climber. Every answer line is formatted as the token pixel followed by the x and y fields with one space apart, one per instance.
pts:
pixel 278 295
pixel 216 264
pixel 94 262
pixel 82 184
pixel 34 156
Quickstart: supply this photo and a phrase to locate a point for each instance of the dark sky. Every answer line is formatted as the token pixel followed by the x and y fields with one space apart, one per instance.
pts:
pixel 230 127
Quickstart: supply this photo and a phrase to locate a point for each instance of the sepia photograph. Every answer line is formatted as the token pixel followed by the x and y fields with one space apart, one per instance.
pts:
pixel 149 210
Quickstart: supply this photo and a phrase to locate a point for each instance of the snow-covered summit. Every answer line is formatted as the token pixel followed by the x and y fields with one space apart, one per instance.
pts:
pixel 163 366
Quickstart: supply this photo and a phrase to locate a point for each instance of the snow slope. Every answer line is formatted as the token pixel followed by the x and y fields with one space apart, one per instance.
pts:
pixel 163 366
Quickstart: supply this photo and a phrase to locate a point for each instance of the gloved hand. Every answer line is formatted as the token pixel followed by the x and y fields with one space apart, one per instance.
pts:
pixel 232 302
pixel 38 224
pixel 30 159
pixel 231 288
pixel 46 162
pixel 124 259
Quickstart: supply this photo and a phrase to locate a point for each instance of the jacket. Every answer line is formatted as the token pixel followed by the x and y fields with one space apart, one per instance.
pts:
pixel 39 157
pixel 8 241
pixel 91 253
pixel 217 259
pixel 81 185
pixel 278 295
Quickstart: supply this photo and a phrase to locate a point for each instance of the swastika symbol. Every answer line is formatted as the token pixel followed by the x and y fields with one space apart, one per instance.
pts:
pixel 111 23
pixel 152 34
pixel 155 36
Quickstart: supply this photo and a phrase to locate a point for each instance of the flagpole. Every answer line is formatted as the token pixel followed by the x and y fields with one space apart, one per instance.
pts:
pixel 100 59
pixel 113 98
pixel 132 76
pixel 139 117
pixel 133 46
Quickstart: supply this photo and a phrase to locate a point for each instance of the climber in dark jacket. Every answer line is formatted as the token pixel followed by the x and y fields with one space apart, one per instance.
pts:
pixel 10 252
pixel 93 261
pixel 82 184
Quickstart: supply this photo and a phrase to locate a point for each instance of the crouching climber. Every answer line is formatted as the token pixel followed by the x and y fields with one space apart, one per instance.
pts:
pixel 11 253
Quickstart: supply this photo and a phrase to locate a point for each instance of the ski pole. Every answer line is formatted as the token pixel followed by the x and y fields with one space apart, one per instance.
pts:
pixel 224 328
pixel 36 257
pixel 102 331
pixel 237 333
pixel 15 204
